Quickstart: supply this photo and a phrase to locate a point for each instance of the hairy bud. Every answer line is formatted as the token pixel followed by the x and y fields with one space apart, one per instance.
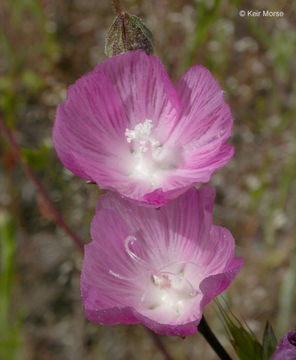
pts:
pixel 128 33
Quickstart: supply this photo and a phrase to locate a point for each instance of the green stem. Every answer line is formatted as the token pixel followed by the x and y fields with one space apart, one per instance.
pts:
pixel 211 339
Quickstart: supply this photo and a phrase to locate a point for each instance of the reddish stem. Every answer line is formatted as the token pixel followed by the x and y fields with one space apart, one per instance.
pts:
pixel 158 343
pixel 116 6
pixel 39 188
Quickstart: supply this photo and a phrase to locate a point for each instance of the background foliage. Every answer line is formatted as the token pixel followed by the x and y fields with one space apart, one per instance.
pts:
pixel 44 47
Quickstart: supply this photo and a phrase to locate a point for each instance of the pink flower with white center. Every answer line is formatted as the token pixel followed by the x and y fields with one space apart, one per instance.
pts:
pixel 158 267
pixel 127 128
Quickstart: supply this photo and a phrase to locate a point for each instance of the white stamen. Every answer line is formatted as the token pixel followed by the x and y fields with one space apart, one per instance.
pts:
pixel 141 134
pixel 151 160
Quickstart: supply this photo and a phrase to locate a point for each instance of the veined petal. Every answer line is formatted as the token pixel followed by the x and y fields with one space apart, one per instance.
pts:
pixel 88 132
pixel 222 241
pixel 189 218
pixel 205 118
pixel 203 127
pixel 110 316
pixel 198 168
pixel 207 159
pixel 141 221
pixel 214 285
pixel 108 274
pixel 145 90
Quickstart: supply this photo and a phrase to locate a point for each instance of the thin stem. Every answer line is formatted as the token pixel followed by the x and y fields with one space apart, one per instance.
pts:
pixel 116 6
pixel 158 343
pixel 39 188
pixel 210 337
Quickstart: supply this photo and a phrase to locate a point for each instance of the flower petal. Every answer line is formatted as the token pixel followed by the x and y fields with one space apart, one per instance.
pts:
pixel 197 170
pixel 205 118
pixel 219 253
pixel 88 132
pixel 168 329
pixel 108 272
pixel 110 316
pixel 189 221
pixel 145 90
pixel 216 284
pixel 141 221
pixel 204 125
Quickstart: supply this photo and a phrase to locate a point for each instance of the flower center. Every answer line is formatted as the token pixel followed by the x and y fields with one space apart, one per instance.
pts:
pixel 169 289
pixel 150 160
pixel 169 292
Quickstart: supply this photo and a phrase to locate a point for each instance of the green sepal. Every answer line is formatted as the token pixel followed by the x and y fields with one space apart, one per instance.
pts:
pixel 269 341
pixel 243 340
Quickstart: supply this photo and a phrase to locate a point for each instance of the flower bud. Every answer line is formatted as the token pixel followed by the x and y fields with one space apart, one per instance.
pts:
pixel 126 33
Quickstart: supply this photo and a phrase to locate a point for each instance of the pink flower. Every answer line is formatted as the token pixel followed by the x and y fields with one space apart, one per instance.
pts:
pixel 286 348
pixel 127 128
pixel 158 267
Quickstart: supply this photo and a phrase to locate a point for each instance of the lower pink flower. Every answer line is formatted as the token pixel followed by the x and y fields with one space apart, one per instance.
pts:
pixel 158 267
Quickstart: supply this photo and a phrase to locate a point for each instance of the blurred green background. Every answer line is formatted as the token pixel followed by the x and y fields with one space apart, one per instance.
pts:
pixel 45 45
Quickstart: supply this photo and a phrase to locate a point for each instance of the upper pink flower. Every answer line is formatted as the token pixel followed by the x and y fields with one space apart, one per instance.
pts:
pixel 127 128
pixel 158 267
